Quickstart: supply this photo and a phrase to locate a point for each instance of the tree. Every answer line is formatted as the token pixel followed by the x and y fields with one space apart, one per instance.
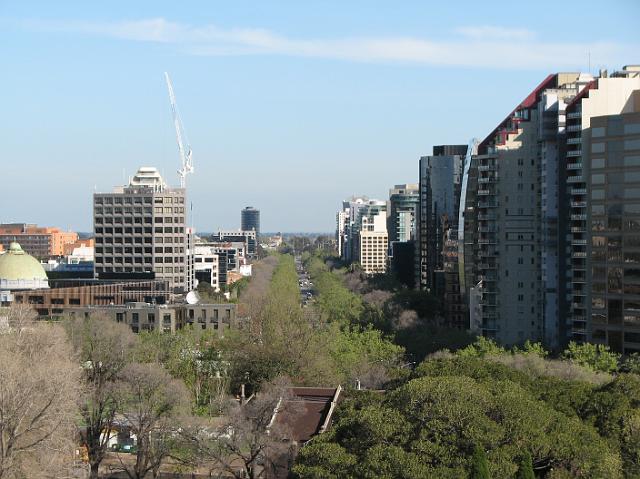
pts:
pixel 598 357
pixel 39 386
pixel 479 466
pixel 103 348
pixel 525 469
pixel 250 443
pixel 151 402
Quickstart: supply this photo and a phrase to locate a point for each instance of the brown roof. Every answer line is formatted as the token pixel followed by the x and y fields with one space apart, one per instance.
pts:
pixel 308 412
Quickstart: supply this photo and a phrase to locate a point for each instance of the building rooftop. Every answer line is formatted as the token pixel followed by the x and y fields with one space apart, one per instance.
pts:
pixel 16 265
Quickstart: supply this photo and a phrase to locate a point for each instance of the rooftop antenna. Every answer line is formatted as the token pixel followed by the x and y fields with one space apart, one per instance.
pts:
pixel 186 160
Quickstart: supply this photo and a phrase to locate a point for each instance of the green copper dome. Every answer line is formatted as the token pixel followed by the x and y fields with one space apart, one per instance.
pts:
pixel 15 265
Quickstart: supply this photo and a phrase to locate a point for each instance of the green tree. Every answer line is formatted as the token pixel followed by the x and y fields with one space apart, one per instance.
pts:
pixel 525 469
pixel 479 466
pixel 482 347
pixel 598 357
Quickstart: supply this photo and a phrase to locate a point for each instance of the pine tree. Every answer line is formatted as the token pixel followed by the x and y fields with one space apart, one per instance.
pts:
pixel 479 466
pixel 525 469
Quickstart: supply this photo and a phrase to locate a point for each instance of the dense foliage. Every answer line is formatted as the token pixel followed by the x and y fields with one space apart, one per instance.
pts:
pixel 452 405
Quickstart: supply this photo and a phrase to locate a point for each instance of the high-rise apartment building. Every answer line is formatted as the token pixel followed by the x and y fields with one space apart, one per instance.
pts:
pixel 373 240
pixel 401 222
pixel 439 195
pixel 401 226
pixel 510 226
pixel 250 220
pixel 599 171
pixel 348 230
pixel 141 228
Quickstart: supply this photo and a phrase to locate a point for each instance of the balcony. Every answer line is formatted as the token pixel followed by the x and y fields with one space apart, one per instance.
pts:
pixel 578 191
pixel 580 217
pixel 574 153
pixel 575 179
pixel 487 241
pixel 487 168
pixel 484 192
pixel 487 217
pixel 574 166
pixel 487 204
pixel 574 141
pixel 487 179
pixel 579 254
pixel 578 241
pixel 578 204
pixel 574 128
pixel 578 229
pixel 573 115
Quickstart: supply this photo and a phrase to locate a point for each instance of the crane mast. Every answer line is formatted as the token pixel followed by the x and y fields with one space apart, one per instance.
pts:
pixel 185 152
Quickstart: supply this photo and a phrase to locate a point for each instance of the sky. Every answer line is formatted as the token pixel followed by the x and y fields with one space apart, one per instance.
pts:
pixel 289 106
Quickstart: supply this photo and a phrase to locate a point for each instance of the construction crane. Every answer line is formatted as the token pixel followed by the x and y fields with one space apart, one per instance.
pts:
pixel 186 158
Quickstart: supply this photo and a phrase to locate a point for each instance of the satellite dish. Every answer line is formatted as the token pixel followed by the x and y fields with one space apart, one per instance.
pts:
pixel 192 297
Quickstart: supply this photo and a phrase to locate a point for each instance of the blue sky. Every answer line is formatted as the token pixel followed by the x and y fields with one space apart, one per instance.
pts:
pixel 289 106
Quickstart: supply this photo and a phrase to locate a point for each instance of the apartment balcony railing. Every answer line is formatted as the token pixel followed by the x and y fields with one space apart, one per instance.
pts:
pixel 487 204
pixel 574 141
pixel 579 254
pixel 578 191
pixel 578 204
pixel 578 241
pixel 574 153
pixel 574 166
pixel 574 127
pixel 575 179
pixel 487 168
pixel 487 217
pixel 484 192
pixel 573 115
pixel 578 229
pixel 581 217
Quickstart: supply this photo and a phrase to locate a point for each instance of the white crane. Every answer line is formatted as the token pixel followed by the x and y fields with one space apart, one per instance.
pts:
pixel 185 150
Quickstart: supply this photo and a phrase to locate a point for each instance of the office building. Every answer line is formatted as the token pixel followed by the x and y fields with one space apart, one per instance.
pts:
pixel 141 228
pixel 439 195
pixel 206 264
pixel 247 237
pixel 250 220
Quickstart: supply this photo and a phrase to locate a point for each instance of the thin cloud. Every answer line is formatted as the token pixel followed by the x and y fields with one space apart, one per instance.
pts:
pixel 474 46
pixel 489 32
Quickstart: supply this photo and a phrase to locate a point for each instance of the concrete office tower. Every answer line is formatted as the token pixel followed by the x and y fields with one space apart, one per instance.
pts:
pixel 250 220
pixel 602 197
pixel 439 197
pixel 141 228
pixel 511 243
pixel 373 240
pixel 401 226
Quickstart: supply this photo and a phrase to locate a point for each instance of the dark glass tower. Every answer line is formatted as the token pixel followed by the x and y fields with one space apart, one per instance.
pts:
pixel 250 220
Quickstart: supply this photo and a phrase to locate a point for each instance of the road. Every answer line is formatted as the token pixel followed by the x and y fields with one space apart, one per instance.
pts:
pixel 304 282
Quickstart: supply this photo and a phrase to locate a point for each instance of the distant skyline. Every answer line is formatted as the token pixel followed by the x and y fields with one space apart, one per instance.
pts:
pixel 289 106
